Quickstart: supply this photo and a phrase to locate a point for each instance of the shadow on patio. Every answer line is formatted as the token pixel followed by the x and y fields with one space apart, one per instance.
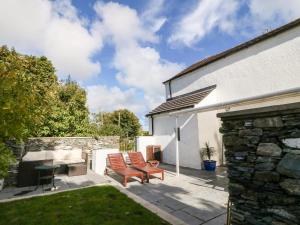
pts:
pixel 196 197
pixel 62 182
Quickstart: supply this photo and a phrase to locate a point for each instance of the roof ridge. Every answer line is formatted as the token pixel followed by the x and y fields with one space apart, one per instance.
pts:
pixel 220 55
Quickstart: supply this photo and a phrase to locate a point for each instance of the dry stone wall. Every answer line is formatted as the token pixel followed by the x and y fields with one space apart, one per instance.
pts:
pixel 87 144
pixel 263 158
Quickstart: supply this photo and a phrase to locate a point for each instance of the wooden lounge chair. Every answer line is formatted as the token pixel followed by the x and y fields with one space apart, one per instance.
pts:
pixel 138 162
pixel 118 165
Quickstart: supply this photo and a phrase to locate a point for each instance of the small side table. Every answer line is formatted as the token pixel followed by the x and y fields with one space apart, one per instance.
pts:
pixel 49 170
pixel 154 163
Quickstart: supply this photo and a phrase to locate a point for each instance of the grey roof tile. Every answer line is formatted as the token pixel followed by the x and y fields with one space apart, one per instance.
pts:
pixel 183 101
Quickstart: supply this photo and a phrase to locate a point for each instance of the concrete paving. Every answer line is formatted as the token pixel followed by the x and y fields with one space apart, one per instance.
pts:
pixel 62 182
pixel 195 197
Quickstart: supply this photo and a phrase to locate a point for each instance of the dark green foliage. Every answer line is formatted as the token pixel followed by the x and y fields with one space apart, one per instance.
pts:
pixel 110 130
pixel 6 158
pixel 26 87
pixel 126 121
pixel 207 152
pixel 27 84
pixel 90 206
pixel 69 115
pixel 120 122
pixel 34 103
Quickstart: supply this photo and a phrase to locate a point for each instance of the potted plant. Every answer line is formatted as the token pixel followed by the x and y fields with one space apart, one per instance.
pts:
pixel 206 154
pixel 6 158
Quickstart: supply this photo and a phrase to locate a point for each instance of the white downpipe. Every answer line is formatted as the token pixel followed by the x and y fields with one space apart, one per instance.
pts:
pixel 177 146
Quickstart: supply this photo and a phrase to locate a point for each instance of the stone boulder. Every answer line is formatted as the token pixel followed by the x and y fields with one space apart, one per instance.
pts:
pixel 290 165
pixel 292 186
pixel 267 176
pixel 268 122
pixel 292 142
pixel 268 149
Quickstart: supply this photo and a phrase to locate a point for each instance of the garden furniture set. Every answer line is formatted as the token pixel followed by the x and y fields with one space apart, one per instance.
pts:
pixel 38 167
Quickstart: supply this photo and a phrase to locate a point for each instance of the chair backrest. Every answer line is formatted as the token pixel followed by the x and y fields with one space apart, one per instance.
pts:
pixel 137 159
pixel 116 161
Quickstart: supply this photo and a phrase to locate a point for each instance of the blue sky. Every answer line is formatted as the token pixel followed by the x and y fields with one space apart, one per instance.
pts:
pixel 121 51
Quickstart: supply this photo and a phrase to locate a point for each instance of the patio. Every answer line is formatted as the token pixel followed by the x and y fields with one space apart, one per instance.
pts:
pixel 196 197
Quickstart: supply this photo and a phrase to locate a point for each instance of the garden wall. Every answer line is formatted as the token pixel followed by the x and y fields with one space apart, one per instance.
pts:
pixel 263 158
pixel 87 144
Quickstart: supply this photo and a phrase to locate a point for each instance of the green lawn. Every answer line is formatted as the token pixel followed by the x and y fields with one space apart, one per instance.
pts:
pixel 94 205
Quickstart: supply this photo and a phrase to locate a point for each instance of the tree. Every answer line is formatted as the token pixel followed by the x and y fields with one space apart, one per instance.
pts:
pixel 26 84
pixel 127 121
pixel 69 115
pixel 6 159
pixel 120 122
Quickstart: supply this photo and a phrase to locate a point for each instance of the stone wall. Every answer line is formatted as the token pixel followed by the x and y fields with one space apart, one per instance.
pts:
pixel 87 144
pixel 263 158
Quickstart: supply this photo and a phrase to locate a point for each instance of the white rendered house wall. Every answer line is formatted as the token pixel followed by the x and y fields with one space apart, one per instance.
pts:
pixel 269 66
pixel 164 134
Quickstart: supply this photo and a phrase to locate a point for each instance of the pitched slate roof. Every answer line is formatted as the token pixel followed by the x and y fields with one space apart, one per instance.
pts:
pixel 237 48
pixel 182 101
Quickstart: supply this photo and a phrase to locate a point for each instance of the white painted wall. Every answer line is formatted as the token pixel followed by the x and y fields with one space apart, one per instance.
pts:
pixel 269 66
pixel 189 155
pixel 209 124
pixel 164 130
pixel 165 136
pixel 142 142
pixel 99 157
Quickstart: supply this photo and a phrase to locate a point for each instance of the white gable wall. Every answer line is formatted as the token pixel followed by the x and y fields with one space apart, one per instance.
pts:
pixel 269 66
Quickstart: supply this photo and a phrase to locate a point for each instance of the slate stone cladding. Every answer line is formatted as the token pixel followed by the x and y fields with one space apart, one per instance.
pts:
pixel 263 158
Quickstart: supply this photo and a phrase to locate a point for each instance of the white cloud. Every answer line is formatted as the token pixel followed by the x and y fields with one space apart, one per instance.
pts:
pixel 207 15
pixel 53 29
pixel 265 14
pixel 123 24
pixel 152 15
pixel 142 67
pixel 138 66
pixel 223 15
pixel 104 99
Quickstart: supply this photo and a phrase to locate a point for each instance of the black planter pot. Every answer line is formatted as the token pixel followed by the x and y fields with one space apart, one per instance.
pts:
pixel 210 165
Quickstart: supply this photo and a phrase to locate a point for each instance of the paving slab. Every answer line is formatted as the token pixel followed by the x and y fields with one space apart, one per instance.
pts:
pixel 62 182
pixel 195 197
pixel 205 213
pixel 220 220
pixel 187 218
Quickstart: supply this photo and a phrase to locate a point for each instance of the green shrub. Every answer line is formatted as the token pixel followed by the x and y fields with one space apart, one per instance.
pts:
pixel 6 159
